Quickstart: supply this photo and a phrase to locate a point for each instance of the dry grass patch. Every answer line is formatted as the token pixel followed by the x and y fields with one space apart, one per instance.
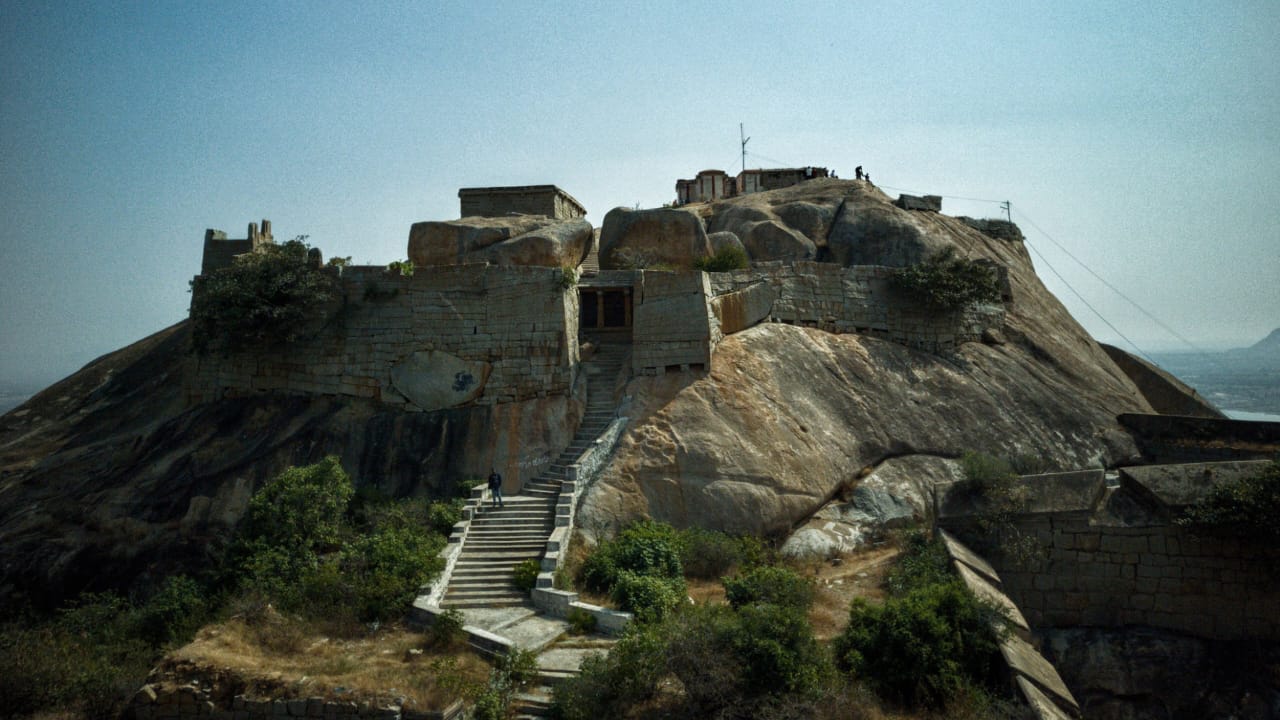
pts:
pixel 279 656
pixel 837 582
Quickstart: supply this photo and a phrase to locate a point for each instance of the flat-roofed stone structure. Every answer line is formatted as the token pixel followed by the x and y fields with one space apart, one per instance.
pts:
pixel 546 200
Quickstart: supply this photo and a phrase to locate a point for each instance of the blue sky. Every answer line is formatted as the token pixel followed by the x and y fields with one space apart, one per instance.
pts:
pixel 1146 141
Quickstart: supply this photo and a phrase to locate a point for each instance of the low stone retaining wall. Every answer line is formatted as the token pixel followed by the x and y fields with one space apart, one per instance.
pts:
pixel 1184 439
pixel 164 701
pixel 1111 556
pixel 1039 683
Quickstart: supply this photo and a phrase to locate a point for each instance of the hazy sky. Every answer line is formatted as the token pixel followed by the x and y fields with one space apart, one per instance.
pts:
pixel 1143 137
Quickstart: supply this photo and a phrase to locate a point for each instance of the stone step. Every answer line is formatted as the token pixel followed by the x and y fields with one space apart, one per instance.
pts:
pixel 497 557
pixel 472 592
pixel 479 591
pixel 483 603
pixel 544 525
pixel 494 534
pixel 521 515
pixel 493 562
pixel 498 544
pixel 543 528
pixel 488 579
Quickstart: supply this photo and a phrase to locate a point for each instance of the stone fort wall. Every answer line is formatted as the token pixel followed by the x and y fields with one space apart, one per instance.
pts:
pixel 442 337
pixel 857 299
pixel 1111 556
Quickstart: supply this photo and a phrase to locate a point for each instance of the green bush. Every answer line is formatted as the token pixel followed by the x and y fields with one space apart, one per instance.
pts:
pixel 581 622
pixel 729 664
pixel 923 562
pixel 442 515
pixel 775 645
pixel 401 267
pixel 607 686
pixel 271 294
pixel 946 282
pixel 512 672
pixel 922 648
pixel 302 510
pixel 527 574
pixel 769 585
pixel 446 630
pixel 649 597
pixel 1245 508
pixel 983 471
pixel 387 567
pixel 174 613
pixel 709 554
pixel 85 662
pixel 645 548
pixel 311 545
pixel 726 259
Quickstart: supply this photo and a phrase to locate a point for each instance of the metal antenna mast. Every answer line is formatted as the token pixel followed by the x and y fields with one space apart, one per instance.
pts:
pixel 1005 206
pixel 744 140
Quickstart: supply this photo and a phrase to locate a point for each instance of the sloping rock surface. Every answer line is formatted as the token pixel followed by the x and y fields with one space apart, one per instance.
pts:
pixel 107 481
pixel 789 416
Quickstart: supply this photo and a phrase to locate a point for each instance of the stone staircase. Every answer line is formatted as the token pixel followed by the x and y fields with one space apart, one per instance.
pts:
pixel 501 538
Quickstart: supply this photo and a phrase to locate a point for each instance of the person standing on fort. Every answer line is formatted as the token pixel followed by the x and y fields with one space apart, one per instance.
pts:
pixel 495 487
pixel 857 172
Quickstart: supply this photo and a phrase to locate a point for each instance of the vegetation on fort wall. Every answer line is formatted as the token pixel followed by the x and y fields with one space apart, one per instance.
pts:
pixel 273 294
pixel 726 259
pixel 1246 508
pixel 947 283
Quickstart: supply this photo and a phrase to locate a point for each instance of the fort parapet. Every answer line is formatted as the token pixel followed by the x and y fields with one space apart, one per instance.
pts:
pixel 1110 555
pixel 219 251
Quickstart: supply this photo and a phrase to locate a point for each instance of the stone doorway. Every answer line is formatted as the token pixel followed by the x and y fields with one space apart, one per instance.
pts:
pixel 604 308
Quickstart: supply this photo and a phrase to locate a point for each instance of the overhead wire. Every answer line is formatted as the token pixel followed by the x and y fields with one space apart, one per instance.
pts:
pixel 1164 326
pixel 1086 302
pixel 1113 288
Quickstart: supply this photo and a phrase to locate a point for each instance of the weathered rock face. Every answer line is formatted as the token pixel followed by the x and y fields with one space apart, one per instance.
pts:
pixel 515 240
pixel 721 240
pixel 1166 393
pixel 650 238
pixel 845 222
pixel 106 480
pixel 788 416
pixel 773 240
pixel 1146 674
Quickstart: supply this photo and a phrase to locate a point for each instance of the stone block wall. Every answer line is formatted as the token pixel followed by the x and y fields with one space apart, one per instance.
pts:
pixel 546 200
pixel 1180 438
pixel 858 299
pixel 1119 560
pixel 673 321
pixel 439 338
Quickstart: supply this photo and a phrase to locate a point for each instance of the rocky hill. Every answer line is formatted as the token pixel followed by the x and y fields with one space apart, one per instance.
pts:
pixel 789 417
pixel 108 479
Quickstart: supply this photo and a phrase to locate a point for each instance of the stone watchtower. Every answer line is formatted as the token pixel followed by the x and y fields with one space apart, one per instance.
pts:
pixel 219 251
